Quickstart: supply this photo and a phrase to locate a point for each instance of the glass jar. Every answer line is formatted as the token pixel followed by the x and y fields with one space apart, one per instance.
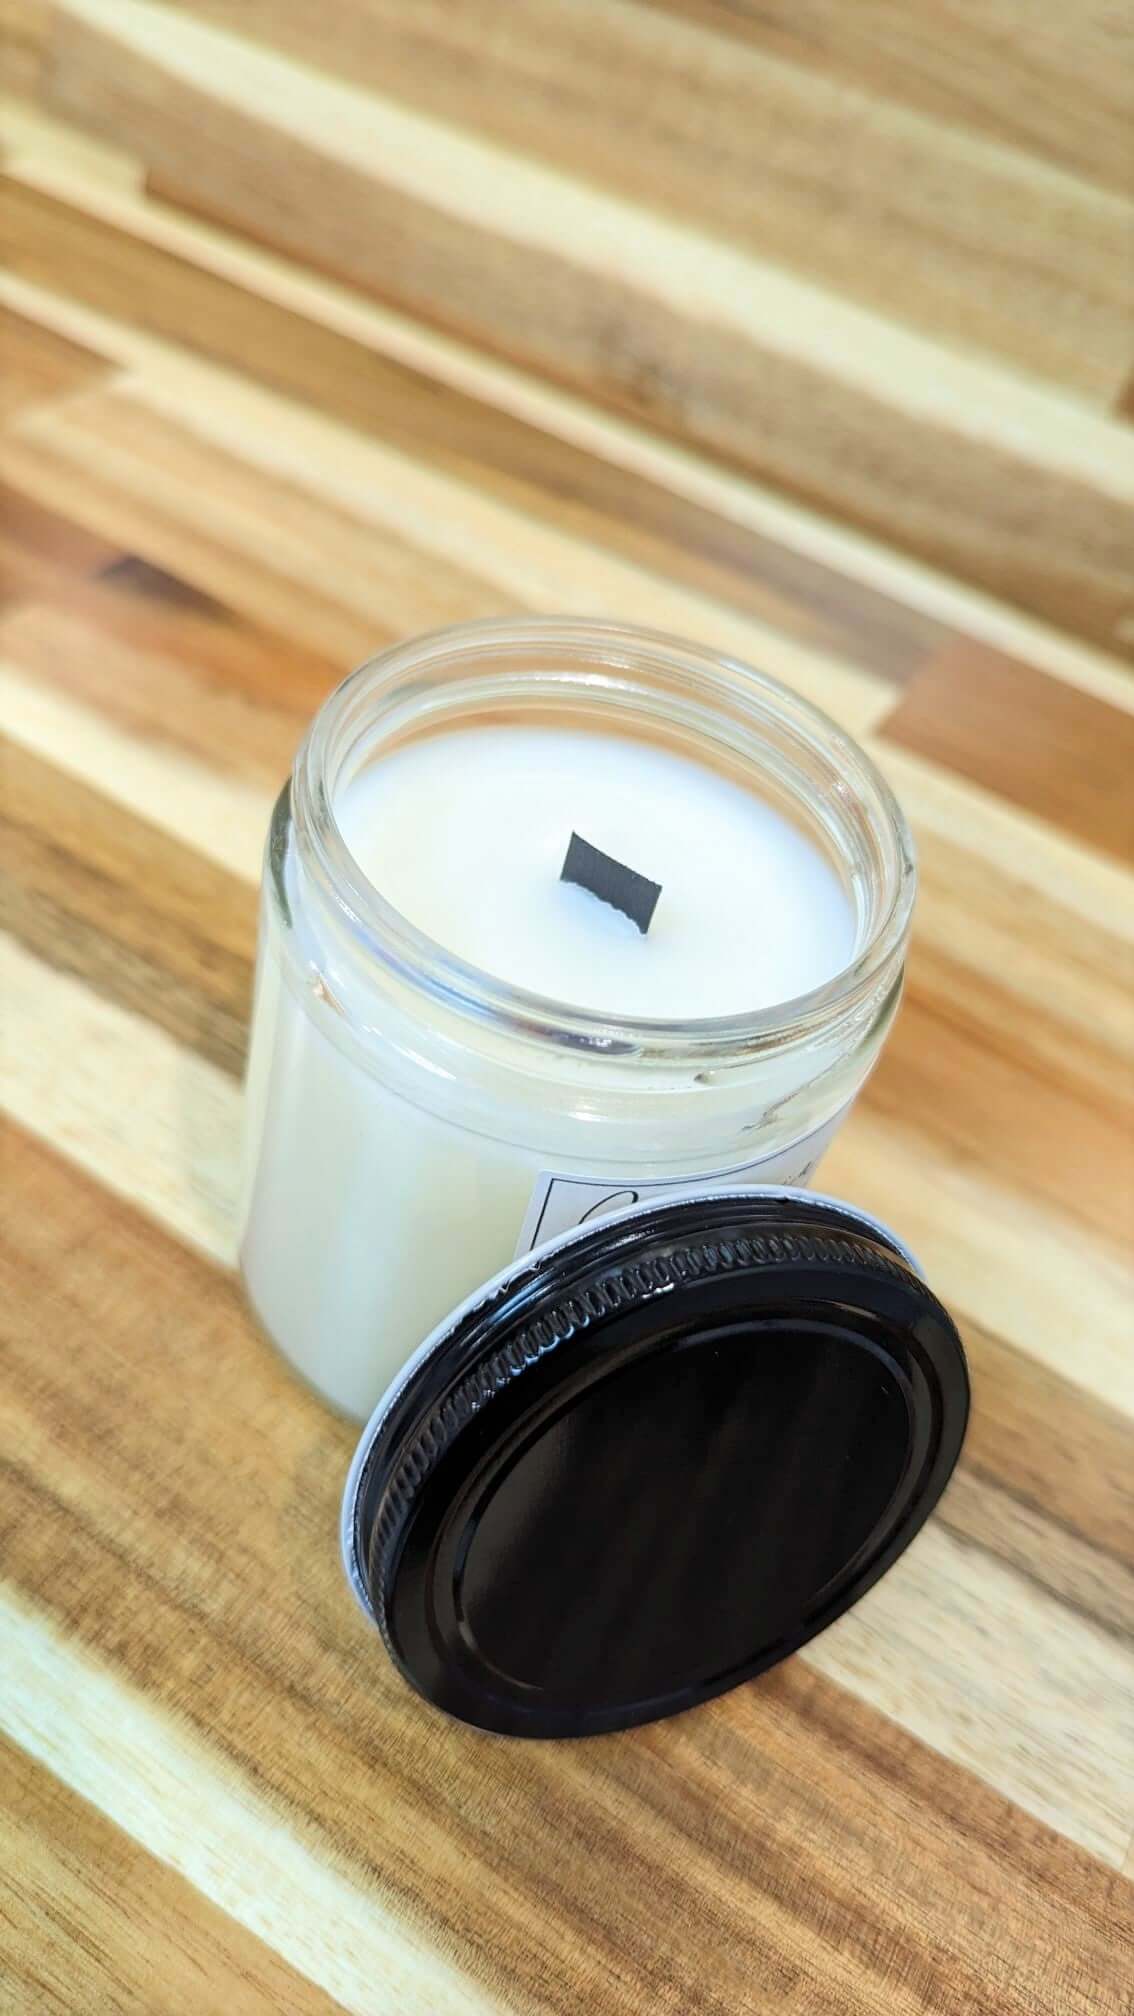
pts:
pixel 412 1122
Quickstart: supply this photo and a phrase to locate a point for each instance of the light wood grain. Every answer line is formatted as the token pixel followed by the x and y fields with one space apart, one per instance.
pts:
pixel 25 26
pixel 1052 82
pixel 143 1770
pixel 994 476
pixel 154 1123
pixel 853 189
pixel 372 535
pixel 73 245
pixel 487 320
pixel 827 564
pixel 1013 1264
pixel 172 791
pixel 972 1056
pixel 115 1928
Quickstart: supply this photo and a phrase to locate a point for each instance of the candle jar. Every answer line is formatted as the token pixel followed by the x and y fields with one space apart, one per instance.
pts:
pixel 412 1122
pixel 646 1414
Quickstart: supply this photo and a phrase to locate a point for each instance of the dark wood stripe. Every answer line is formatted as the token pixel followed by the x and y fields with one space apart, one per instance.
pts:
pixel 40 551
pixel 145 921
pixel 820 1842
pixel 89 1921
pixel 1097 1588
pixel 1044 1107
pixel 1051 748
pixel 183 673
pixel 1057 1450
pixel 523 466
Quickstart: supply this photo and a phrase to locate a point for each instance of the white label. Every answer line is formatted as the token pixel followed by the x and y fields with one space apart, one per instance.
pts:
pixel 558 1203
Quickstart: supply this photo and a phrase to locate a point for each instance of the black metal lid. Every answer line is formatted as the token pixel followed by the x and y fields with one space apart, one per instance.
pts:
pixel 653 1459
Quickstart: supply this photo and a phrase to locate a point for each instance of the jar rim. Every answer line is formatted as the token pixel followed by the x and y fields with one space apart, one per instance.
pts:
pixel 388 936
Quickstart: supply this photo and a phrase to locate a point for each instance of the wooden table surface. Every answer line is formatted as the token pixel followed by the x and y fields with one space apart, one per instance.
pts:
pixel 228 481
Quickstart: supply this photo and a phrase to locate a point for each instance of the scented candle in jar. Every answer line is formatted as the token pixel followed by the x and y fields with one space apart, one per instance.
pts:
pixel 558 917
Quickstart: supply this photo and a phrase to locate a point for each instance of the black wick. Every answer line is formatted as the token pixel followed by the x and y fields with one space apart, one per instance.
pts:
pixel 611 882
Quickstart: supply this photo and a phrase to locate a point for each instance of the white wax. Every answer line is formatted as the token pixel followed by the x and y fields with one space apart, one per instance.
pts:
pixel 465 833
pixel 389 1174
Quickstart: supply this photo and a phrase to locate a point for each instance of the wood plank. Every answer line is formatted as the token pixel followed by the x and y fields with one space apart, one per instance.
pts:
pixel 1054 82
pixel 258 498
pixel 227 815
pixel 1013 1264
pixel 154 1123
pixel 279 555
pixel 1027 854
pixel 1047 969
pixel 40 551
pixel 560 394
pixel 1020 1535
pixel 44 159
pixel 24 31
pixel 143 920
pixel 1079 1478
pixel 836 558
pixel 146 1771
pixel 1062 755
pixel 180 538
pixel 838 1860
pixel 38 365
pixel 89 1921
pixel 121 272
pixel 173 671
pixel 986 474
pixel 1045 1111
pixel 920 1648
pixel 918 217
pixel 93 162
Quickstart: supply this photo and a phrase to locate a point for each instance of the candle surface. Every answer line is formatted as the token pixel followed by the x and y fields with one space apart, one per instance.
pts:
pixel 465 834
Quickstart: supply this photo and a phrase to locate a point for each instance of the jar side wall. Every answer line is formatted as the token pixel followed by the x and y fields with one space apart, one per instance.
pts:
pixel 369 1216
pixel 366 1217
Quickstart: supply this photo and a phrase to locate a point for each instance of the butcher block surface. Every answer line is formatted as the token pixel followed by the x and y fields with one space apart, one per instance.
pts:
pixel 232 471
